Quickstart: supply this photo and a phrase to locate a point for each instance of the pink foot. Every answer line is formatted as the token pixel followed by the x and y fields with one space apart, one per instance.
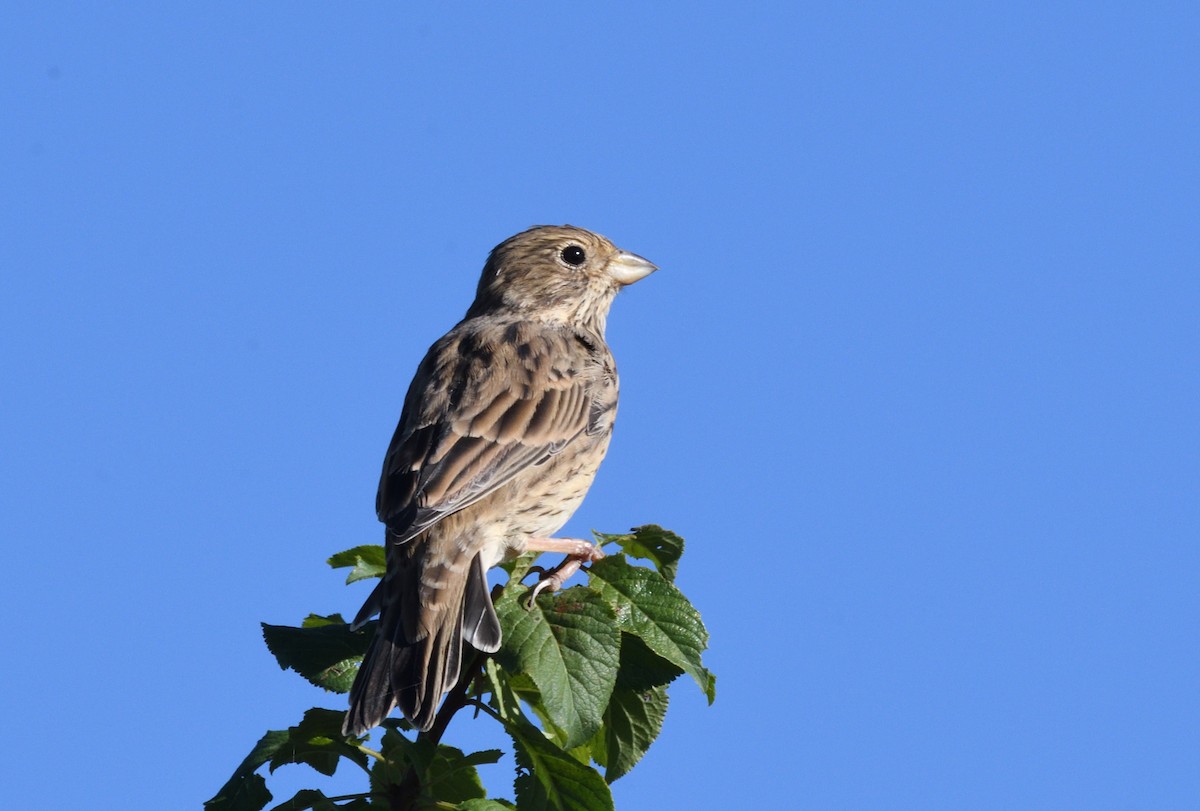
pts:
pixel 578 552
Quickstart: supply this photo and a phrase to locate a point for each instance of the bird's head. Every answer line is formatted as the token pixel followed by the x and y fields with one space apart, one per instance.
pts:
pixel 556 272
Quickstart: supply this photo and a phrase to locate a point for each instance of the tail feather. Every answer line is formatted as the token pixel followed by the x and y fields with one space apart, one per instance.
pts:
pixel 481 627
pixel 372 606
pixel 372 696
pixel 428 672
pixel 416 655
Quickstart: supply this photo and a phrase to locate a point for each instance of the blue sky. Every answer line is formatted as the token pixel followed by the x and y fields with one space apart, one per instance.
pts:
pixel 917 382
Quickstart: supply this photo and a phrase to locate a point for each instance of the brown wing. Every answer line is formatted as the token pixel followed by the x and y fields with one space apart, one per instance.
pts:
pixel 488 401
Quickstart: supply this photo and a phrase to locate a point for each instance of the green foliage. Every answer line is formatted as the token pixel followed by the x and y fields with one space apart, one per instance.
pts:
pixel 579 683
pixel 569 645
pixel 363 561
pixel 649 607
pixel 323 649
pixel 660 546
pixel 550 778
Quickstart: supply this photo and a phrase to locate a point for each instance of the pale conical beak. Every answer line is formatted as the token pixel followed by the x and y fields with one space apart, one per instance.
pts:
pixel 627 268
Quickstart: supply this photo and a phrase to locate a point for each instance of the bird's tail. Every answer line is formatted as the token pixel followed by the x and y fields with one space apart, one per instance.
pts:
pixel 416 655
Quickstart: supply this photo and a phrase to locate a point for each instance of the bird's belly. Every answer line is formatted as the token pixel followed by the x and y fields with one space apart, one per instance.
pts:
pixel 537 502
pixel 545 496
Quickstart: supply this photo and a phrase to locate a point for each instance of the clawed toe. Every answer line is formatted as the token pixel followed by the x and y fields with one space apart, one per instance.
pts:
pixel 578 552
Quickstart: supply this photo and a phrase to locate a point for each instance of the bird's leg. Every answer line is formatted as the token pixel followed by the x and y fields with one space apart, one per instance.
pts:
pixel 578 552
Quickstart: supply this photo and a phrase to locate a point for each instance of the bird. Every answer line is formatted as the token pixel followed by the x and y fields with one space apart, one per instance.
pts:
pixel 500 435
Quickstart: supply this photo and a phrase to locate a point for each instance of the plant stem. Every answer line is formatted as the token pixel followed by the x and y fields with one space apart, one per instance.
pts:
pixel 404 795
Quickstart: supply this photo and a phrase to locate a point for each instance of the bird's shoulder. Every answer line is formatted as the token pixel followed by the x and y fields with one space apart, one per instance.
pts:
pixel 491 397
pixel 484 356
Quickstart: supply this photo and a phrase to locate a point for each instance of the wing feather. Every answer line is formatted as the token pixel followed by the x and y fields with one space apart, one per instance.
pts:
pixel 482 408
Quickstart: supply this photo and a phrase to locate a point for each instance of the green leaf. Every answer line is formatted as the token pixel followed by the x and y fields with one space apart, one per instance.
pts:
pixel 452 777
pixel 486 805
pixel 568 643
pixel 631 723
pixel 433 775
pixel 400 757
pixel 365 562
pixel 651 542
pixel 504 699
pixel 318 741
pixel 324 651
pixel 550 779
pixel 634 716
pixel 245 790
pixel 648 606
pixel 642 668
pixel 320 621
pixel 509 690
pixel 521 686
pixel 483 757
pixel 317 801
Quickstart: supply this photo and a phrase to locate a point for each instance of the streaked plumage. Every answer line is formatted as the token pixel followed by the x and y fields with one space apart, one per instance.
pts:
pixel 503 428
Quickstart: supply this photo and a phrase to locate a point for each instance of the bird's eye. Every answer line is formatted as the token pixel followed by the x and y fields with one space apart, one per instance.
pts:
pixel 573 255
